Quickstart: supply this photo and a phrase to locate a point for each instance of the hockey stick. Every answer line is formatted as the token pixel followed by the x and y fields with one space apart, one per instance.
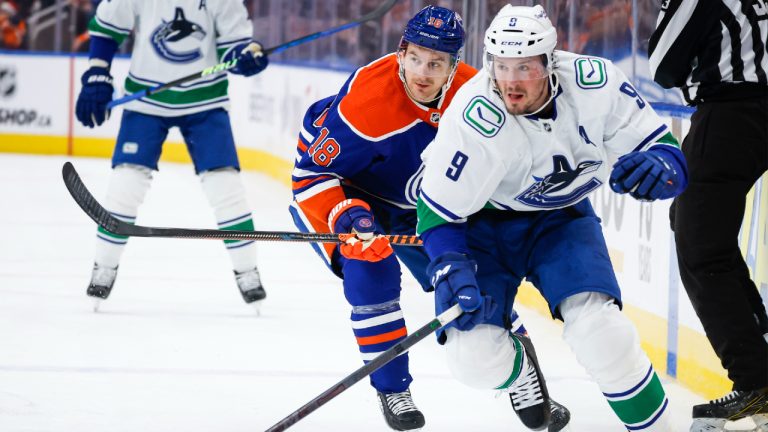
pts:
pixel 224 66
pixel 104 219
pixel 378 361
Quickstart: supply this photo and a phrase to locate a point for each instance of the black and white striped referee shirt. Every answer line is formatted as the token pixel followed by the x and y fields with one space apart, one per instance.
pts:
pixel 711 49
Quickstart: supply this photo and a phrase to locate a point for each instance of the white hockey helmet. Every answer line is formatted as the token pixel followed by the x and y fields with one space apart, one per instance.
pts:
pixel 519 32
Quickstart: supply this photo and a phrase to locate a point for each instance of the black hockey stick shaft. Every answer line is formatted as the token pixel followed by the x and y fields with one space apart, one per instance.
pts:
pixel 104 219
pixel 225 66
pixel 379 361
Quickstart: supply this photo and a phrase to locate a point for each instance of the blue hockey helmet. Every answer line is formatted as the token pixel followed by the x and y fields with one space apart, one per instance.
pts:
pixel 436 28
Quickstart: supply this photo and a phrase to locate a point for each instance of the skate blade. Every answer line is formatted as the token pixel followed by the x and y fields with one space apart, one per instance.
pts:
pixel 761 422
pixel 96 304
pixel 746 424
pixel 256 307
pixel 707 425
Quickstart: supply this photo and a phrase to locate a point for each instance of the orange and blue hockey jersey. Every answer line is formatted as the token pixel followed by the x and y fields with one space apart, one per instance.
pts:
pixel 367 139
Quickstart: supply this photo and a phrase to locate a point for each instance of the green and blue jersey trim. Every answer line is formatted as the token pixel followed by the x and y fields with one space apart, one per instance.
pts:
pixel 432 214
pixel 649 140
pixel 214 90
pixel 97 27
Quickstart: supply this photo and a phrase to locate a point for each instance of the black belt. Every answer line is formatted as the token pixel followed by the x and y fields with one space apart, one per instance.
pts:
pixel 726 92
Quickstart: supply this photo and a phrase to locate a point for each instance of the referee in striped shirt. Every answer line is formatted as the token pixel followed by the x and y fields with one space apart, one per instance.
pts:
pixel 715 52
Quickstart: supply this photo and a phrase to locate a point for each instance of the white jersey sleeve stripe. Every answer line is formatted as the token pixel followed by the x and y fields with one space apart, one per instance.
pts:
pixel 111 26
pixel 440 210
pixel 308 137
pixel 316 189
pixel 650 138
pixel 500 206
pixel 306 226
pixel 301 173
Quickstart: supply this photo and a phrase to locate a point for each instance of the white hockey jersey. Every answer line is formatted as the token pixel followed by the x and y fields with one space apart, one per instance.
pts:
pixel 175 38
pixel 483 156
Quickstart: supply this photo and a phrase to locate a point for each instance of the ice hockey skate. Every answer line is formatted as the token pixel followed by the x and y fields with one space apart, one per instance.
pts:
pixel 529 395
pixel 249 283
pixel 559 417
pixel 400 412
pixel 102 280
pixel 713 416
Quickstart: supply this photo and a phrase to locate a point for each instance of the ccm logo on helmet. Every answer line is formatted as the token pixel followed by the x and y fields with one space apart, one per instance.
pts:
pixel 513 43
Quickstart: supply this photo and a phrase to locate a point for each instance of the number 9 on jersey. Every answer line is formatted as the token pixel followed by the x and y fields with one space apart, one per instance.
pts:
pixel 457 166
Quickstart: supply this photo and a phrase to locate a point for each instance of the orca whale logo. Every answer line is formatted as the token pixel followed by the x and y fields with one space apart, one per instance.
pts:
pixel 168 35
pixel 540 193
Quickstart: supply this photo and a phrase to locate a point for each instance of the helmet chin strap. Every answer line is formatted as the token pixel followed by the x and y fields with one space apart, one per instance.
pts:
pixel 553 86
pixel 440 94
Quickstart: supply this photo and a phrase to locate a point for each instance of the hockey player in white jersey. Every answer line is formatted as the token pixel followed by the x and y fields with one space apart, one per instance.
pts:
pixel 172 39
pixel 504 197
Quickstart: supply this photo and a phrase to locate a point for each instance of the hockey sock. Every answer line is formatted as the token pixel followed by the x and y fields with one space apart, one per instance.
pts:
pixel 377 328
pixel 486 357
pixel 640 406
pixel 516 323
pixel 128 185
pixel 606 344
pixel 226 195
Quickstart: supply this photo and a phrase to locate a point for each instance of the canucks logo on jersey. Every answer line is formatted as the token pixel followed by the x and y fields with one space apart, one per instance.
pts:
pixel 413 187
pixel 171 39
pixel 540 194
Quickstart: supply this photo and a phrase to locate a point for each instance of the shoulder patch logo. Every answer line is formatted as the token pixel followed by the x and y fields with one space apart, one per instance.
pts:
pixel 590 73
pixel 483 116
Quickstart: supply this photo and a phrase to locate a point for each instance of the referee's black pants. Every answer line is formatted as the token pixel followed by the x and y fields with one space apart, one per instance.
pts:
pixel 727 151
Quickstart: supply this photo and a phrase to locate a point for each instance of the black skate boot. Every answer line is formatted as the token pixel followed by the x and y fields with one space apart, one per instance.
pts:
pixel 400 412
pixel 712 416
pixel 559 417
pixel 528 393
pixel 102 280
pixel 250 286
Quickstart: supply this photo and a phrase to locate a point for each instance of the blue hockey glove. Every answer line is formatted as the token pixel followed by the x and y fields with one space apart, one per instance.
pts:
pixel 91 108
pixel 354 216
pixel 250 59
pixel 650 175
pixel 453 276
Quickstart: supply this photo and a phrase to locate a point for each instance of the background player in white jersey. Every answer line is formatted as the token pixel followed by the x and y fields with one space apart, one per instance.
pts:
pixel 504 198
pixel 172 39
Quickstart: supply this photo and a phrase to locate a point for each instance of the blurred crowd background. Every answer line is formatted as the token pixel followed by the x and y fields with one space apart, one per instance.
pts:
pixel 616 29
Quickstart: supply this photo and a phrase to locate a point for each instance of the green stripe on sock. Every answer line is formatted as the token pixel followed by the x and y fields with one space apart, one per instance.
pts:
pixel 518 365
pixel 246 225
pixel 111 235
pixel 640 407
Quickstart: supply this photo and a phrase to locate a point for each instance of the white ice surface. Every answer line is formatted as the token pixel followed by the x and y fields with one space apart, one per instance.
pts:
pixel 176 349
